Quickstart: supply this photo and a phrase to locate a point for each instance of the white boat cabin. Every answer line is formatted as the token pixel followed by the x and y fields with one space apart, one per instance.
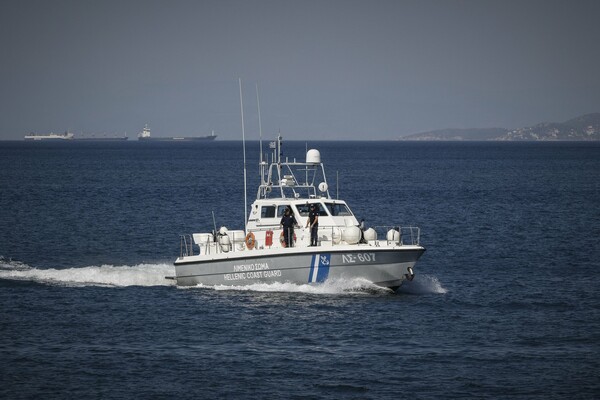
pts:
pixel 266 214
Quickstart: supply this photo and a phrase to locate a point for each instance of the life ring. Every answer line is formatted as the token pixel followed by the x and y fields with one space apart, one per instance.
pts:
pixel 282 239
pixel 250 241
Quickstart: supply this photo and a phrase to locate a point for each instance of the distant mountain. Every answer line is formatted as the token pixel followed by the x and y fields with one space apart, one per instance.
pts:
pixel 459 134
pixel 585 127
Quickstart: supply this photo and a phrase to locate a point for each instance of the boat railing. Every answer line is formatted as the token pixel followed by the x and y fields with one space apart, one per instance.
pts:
pixel 406 235
pixel 386 235
pixel 186 245
pixel 209 243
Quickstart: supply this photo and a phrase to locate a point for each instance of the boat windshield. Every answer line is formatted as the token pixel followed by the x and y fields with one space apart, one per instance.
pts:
pixel 338 210
pixel 272 211
pixel 267 212
pixel 281 210
pixel 304 209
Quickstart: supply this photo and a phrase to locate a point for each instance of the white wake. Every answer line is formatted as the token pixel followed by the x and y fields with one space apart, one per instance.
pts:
pixel 154 275
pixel 104 275
pixel 338 286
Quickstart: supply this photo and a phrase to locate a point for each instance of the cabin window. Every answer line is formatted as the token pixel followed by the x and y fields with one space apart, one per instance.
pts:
pixel 338 210
pixel 281 211
pixel 304 209
pixel 267 212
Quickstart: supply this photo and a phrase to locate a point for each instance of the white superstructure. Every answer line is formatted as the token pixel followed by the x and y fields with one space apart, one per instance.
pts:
pixel 145 133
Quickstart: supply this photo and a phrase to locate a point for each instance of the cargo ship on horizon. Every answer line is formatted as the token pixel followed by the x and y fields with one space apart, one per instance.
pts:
pixel 146 136
pixel 51 136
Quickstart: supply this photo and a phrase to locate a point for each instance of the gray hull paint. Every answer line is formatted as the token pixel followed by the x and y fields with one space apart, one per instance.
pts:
pixel 384 267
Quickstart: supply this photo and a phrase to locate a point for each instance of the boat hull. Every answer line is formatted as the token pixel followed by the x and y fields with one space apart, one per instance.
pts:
pixel 180 139
pixel 48 137
pixel 388 267
pixel 101 139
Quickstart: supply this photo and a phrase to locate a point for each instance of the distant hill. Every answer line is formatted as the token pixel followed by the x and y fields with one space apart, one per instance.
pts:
pixel 459 134
pixel 585 127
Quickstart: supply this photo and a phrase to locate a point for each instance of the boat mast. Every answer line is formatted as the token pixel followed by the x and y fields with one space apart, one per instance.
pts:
pixel 244 149
pixel 279 177
pixel 262 165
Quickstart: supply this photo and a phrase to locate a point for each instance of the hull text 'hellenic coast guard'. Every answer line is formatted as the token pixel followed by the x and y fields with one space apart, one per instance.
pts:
pixel 276 246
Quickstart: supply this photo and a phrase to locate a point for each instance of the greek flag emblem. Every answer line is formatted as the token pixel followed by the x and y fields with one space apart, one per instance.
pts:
pixel 319 268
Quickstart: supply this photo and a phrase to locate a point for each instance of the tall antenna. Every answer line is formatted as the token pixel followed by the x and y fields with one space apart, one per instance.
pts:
pixel 244 148
pixel 260 137
pixel 306 169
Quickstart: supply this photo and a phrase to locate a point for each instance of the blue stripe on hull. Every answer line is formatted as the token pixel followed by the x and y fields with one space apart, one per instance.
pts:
pixel 319 268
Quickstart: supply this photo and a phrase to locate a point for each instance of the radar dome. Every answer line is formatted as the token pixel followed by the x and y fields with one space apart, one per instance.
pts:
pixel 313 156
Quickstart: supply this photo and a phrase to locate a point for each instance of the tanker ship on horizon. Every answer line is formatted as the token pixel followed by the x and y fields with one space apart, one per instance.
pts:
pixel 146 136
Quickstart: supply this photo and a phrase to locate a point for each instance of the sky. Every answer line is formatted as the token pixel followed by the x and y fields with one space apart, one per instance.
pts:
pixel 328 69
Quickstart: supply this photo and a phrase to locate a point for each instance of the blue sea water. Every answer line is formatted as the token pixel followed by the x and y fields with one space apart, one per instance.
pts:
pixel 505 303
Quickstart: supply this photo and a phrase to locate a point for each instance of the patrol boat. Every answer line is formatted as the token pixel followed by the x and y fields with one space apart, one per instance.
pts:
pixel 383 255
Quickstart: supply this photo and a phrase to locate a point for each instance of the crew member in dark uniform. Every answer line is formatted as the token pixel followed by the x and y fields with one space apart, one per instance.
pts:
pixel 288 222
pixel 313 221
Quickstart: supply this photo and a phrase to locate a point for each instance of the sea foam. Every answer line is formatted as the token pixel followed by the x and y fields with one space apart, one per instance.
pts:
pixel 104 275
pixel 332 286
pixel 423 284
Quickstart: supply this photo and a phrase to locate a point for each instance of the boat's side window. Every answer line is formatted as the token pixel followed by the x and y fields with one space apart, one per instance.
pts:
pixel 281 211
pixel 338 210
pixel 302 209
pixel 267 212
